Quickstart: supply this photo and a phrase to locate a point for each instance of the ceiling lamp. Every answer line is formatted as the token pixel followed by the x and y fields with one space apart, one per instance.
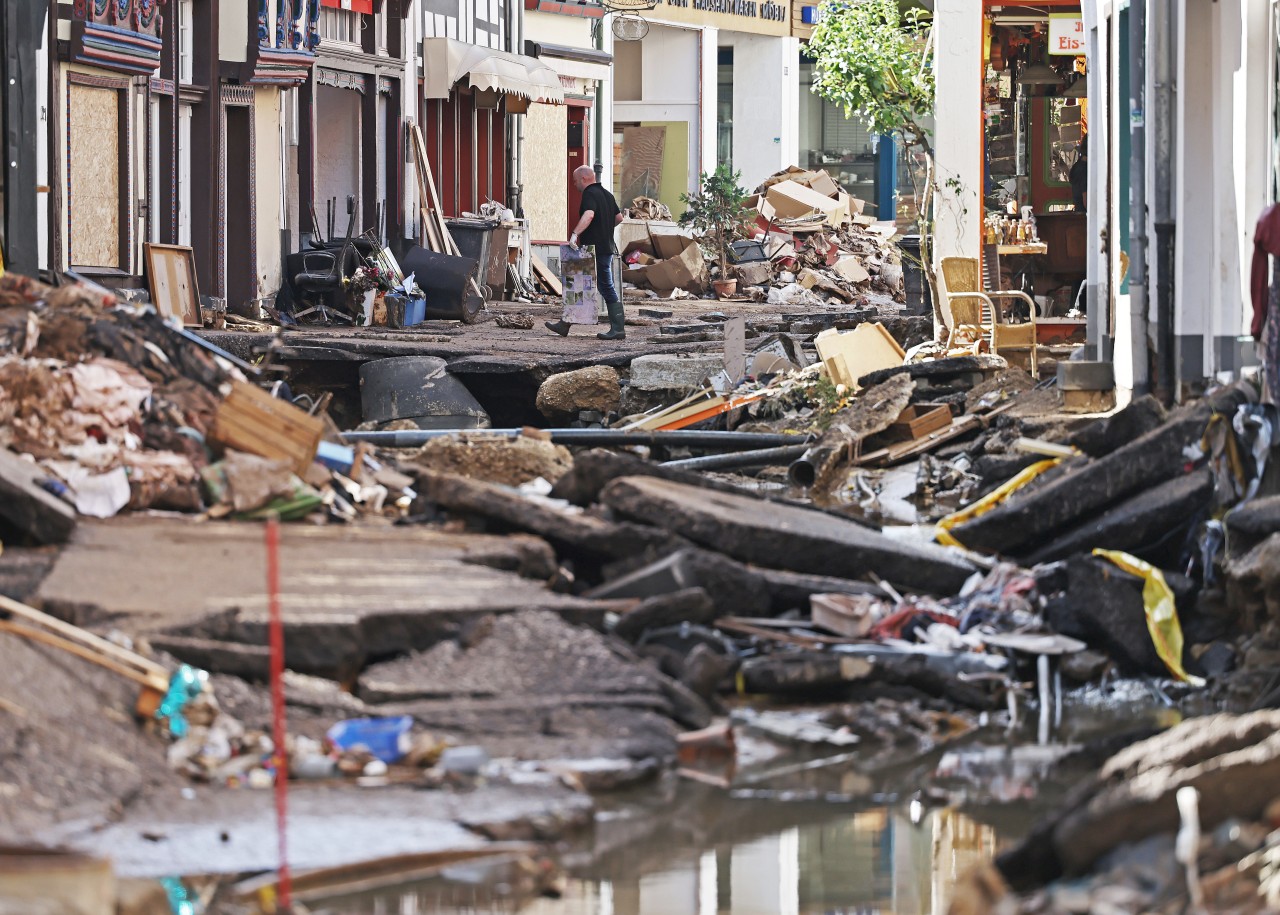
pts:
pixel 1078 89
pixel 1039 75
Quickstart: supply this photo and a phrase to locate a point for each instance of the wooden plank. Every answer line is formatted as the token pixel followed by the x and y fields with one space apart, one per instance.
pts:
pixel 714 409
pixel 918 420
pixel 84 637
pixel 150 681
pixel 421 147
pixel 253 421
pixel 544 274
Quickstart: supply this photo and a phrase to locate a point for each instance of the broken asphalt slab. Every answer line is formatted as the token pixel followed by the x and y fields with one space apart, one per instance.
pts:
pixel 570 530
pixel 1023 523
pixel 784 536
pixel 27 506
pixel 1139 525
pixel 344 599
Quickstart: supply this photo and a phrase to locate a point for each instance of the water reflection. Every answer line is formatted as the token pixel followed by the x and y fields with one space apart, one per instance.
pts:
pixel 866 861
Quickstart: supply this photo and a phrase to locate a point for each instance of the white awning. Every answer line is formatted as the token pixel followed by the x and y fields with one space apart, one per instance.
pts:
pixel 580 69
pixel 447 60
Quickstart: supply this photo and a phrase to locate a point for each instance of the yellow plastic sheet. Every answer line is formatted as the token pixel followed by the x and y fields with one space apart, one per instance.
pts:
pixel 942 533
pixel 1162 611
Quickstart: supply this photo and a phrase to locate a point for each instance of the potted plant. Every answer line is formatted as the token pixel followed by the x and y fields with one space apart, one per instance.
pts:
pixel 717 212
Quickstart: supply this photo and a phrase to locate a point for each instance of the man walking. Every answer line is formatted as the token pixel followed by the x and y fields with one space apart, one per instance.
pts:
pixel 599 215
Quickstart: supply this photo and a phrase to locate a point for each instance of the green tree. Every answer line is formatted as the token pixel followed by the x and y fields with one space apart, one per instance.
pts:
pixel 875 60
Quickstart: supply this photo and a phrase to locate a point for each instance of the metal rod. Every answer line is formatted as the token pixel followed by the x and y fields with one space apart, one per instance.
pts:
pixel 1139 298
pixel 758 457
pixel 415 438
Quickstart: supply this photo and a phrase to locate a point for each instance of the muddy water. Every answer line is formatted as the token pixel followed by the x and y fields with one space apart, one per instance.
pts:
pixel 837 861
pixel 822 833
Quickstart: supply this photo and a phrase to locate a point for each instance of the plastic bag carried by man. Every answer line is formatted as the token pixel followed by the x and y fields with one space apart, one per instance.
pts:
pixel 598 215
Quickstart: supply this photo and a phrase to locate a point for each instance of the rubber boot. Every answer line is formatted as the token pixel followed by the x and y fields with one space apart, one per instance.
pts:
pixel 558 327
pixel 617 322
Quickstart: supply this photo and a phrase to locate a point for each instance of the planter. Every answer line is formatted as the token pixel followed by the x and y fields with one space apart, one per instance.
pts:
pixel 725 288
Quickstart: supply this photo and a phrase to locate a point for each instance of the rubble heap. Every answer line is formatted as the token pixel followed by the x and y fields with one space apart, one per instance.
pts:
pixel 804 243
pixel 109 408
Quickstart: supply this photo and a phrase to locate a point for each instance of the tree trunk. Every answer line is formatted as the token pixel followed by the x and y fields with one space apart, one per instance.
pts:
pixel 926 249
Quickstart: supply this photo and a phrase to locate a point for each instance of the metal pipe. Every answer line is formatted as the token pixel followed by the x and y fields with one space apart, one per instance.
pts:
pixel 761 457
pixel 1139 300
pixel 1163 54
pixel 416 438
pixel 804 469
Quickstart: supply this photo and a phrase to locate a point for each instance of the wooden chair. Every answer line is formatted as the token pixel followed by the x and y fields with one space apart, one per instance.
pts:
pixel 974 312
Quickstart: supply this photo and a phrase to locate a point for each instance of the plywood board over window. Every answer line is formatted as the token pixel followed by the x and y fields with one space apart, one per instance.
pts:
pixel 97 172
pixel 642 149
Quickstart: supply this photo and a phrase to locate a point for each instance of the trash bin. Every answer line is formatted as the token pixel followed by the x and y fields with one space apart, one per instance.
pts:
pixel 486 241
pixel 915 285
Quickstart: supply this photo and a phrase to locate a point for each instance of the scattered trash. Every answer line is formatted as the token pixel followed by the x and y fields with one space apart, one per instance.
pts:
pixel 386 738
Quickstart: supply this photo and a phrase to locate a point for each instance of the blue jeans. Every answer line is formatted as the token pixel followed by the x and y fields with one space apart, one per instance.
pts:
pixel 604 276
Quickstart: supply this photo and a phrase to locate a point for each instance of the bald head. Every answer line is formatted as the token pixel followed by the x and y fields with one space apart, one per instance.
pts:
pixel 583 176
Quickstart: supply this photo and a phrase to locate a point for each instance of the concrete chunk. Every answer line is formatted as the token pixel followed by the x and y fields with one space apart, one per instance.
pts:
pixel 28 507
pixel 661 372
pixel 785 536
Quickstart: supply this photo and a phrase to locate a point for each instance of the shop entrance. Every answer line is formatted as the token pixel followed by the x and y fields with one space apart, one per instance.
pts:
pixel 578 154
pixel 1035 118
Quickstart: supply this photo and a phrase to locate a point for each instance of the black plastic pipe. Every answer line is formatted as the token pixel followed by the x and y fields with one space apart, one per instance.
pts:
pixel 757 458
pixel 686 438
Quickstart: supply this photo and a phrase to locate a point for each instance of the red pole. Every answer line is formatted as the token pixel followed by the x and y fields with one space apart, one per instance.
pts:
pixel 278 730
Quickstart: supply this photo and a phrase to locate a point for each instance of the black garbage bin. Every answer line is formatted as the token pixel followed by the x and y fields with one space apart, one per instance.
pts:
pixel 915 285
pixel 485 240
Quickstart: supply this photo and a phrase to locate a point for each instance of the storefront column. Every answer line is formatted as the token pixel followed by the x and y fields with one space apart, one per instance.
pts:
pixel 708 45
pixel 958 128
pixel 1194 272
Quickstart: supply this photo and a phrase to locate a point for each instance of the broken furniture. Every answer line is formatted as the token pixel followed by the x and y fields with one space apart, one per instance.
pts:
pixel 973 310
pixel 323 271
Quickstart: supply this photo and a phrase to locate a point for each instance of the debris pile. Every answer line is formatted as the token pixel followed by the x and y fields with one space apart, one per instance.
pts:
pixel 804 243
pixel 108 409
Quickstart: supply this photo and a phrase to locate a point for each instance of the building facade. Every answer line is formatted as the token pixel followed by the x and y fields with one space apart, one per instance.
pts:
pixel 1181 117
pixel 711 81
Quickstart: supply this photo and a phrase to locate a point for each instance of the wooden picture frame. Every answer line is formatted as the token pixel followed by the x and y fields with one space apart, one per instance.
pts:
pixel 171 273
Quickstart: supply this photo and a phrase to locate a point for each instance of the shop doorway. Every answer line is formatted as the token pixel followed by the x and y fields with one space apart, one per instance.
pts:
pixel 577 155
pixel 239 269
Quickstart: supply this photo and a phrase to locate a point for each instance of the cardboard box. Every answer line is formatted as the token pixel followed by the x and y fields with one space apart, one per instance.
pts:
pixel 685 269
pixel 822 183
pixel 793 201
pixel 665 246
pixel 865 349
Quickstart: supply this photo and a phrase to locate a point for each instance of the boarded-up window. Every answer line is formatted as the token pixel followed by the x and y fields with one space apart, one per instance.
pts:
pixel 95 159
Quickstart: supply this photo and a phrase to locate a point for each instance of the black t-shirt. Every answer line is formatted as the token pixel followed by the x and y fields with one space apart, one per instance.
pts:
pixel 600 232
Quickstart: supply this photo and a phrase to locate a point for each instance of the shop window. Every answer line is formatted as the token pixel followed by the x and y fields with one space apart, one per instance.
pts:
pixel 724 106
